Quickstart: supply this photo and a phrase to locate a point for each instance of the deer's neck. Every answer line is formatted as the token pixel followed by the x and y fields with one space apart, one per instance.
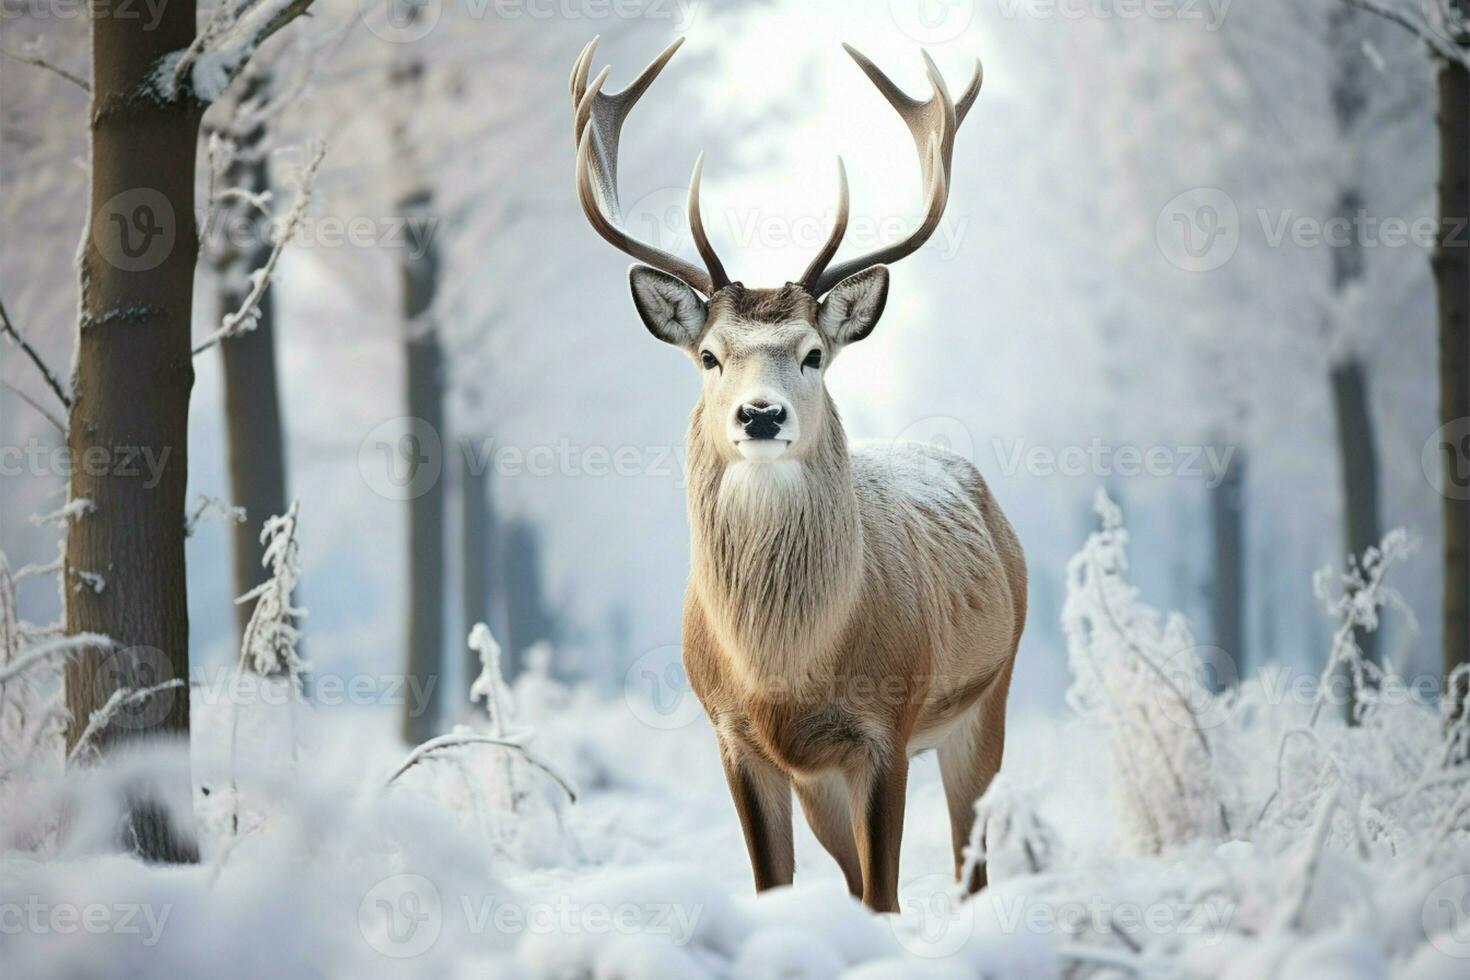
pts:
pixel 776 550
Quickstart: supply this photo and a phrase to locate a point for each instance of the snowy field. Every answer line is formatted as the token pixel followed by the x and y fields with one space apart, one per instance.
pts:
pixel 1151 829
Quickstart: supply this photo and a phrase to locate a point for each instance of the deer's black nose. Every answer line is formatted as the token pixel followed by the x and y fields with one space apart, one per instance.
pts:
pixel 761 420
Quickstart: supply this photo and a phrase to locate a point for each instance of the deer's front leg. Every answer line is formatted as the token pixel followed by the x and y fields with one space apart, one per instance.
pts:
pixel 762 795
pixel 876 797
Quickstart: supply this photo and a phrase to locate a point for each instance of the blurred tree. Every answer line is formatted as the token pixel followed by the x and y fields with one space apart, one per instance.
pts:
pixel 425 380
pixel 254 431
pixel 529 618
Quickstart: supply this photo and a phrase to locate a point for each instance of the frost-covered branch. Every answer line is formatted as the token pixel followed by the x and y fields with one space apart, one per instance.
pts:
pixel 269 644
pixel 247 316
pixel 62 646
pixel 1356 608
pixel 120 699
pixel 489 686
pixel 457 739
pixel 51 380
pixel 205 505
pixel 224 46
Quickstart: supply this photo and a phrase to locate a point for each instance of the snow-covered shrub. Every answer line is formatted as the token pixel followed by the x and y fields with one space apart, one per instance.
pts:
pixel 1139 675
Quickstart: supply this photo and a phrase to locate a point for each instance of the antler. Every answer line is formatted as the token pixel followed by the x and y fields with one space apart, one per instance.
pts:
pixel 597 122
pixel 933 125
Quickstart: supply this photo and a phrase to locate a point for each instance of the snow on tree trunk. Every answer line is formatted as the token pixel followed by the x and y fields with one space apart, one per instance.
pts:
pixel 134 374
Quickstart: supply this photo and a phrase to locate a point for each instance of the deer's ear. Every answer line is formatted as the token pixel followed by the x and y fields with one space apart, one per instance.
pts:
pixel 851 309
pixel 671 309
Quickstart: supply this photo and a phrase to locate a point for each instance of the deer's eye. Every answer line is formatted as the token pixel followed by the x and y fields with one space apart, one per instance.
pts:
pixel 708 360
pixel 813 359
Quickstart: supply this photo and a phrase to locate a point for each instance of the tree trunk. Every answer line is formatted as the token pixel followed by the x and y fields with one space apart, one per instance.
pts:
pixel 528 620
pixel 254 432
pixel 424 369
pixel 477 528
pixel 134 373
pixel 1348 381
pixel 1227 534
pixel 1358 458
pixel 1452 282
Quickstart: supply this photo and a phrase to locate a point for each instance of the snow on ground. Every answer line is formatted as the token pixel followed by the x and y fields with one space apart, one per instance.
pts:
pixel 1152 829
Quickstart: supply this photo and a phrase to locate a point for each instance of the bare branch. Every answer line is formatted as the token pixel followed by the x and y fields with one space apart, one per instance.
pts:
pixel 9 328
pixel 44 413
pixel 1440 46
pixel 37 61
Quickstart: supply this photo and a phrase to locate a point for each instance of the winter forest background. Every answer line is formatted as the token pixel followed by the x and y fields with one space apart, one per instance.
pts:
pixel 1131 290
pixel 1048 327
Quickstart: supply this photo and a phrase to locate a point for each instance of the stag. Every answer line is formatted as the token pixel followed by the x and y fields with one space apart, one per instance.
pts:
pixel 847 607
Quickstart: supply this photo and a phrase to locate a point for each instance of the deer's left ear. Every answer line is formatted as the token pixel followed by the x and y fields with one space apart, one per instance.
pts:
pixel 851 309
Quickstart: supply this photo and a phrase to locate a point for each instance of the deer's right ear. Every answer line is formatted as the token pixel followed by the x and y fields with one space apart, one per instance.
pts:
pixel 671 309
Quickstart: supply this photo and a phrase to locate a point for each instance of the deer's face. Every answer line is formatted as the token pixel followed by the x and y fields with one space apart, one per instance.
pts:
pixel 762 354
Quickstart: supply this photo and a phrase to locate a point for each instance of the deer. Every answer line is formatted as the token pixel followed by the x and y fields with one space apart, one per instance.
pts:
pixel 847 607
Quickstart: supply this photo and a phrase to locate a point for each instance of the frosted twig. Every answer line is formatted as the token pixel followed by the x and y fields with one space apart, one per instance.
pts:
pixel 122 698
pixel 59 647
pixel 205 504
pixel 456 740
pixel 245 318
pixel 35 60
